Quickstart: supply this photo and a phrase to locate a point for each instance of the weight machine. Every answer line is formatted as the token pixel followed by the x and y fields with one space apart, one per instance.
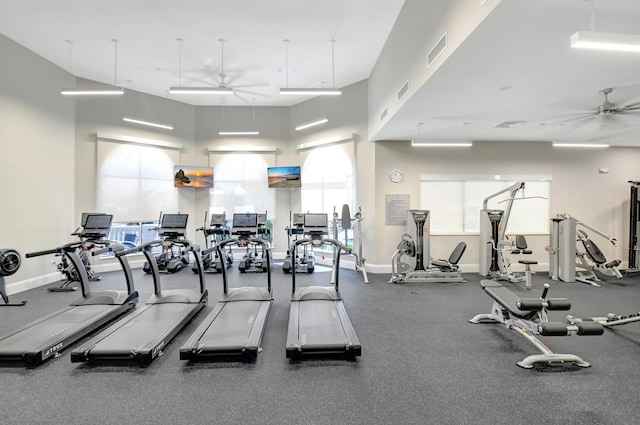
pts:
pixel 566 254
pixel 494 243
pixel 419 265
pixel 213 236
pixel 347 223
pixel 634 228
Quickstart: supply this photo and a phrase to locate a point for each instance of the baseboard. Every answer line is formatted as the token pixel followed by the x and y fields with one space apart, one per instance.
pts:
pixel 34 282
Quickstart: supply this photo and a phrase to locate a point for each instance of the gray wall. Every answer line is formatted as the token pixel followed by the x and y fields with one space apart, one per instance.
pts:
pixel 37 154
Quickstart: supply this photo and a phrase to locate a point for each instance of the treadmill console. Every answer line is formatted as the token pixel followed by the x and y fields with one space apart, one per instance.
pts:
pixel 173 225
pixel 316 224
pixel 245 224
pixel 218 220
pixel 95 226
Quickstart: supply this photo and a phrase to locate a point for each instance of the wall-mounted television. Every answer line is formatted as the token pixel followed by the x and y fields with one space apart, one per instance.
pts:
pixel 192 176
pixel 284 176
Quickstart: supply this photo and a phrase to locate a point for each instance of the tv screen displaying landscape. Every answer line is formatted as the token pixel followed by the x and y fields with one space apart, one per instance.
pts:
pixel 279 177
pixel 192 176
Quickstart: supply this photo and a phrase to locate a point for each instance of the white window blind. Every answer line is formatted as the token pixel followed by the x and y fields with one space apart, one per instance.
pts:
pixel 455 202
pixel 135 182
pixel 240 183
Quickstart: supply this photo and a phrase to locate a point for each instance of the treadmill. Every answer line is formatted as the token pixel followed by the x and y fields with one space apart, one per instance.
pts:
pixel 318 321
pixel 141 336
pixel 237 323
pixel 41 339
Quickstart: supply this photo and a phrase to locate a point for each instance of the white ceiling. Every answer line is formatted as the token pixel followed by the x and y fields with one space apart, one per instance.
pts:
pixel 516 66
pixel 148 53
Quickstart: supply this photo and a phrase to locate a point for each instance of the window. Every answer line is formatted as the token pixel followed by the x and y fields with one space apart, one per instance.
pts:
pixel 240 183
pixel 327 176
pixel 135 182
pixel 455 202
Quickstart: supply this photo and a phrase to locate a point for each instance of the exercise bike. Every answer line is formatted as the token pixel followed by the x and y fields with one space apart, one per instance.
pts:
pixel 94 228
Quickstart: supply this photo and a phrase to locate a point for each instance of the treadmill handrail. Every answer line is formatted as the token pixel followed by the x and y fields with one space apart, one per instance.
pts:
pixel 267 248
pixel 339 248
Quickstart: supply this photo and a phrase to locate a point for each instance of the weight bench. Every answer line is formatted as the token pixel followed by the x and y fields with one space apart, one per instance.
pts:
pixel 528 317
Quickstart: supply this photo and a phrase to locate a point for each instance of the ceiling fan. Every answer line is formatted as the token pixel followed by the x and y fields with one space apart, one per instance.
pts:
pixel 609 108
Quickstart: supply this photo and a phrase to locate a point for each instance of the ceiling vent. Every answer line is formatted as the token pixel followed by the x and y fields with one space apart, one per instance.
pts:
pixel 510 124
pixel 403 90
pixel 384 114
pixel 437 50
pixel 483 2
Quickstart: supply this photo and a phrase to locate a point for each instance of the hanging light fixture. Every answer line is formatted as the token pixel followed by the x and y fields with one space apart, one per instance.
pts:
pixel 139 121
pixel 447 143
pixel 310 91
pixel 603 40
pixel 96 91
pixel 199 90
pixel 252 132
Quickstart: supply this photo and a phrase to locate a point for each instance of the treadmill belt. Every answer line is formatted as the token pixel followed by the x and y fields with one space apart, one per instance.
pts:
pixel 320 326
pixel 56 329
pixel 135 332
pixel 232 326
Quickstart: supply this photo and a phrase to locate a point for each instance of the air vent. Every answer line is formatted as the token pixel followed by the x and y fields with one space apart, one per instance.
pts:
pixel 384 114
pixel 483 2
pixel 403 90
pixel 510 124
pixel 437 50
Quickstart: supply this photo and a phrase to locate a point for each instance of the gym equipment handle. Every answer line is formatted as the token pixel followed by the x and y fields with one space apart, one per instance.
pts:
pixel 39 253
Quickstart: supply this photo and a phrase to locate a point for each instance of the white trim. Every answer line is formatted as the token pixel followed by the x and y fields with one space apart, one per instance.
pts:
pixel 137 140
pixel 485 177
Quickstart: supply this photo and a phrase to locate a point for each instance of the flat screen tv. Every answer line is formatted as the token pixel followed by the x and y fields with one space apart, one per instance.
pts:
pixel 279 177
pixel 192 176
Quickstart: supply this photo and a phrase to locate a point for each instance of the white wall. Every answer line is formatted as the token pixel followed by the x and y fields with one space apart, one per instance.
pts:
pixel 36 158
pixel 419 26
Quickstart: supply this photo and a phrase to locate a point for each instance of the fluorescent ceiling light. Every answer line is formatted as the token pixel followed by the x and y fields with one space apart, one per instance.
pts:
pixel 150 124
pixel 311 124
pixel 200 90
pixel 580 145
pixel 239 133
pixel 84 92
pixel 605 41
pixel 313 92
pixel 442 143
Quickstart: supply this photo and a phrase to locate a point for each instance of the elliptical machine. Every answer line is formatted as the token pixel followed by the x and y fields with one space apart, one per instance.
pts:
pixel 346 223
pixel 213 235
pixel 245 227
pixel 293 261
pixel 172 259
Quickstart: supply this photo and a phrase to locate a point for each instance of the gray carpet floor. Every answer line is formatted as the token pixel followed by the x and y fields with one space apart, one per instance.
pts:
pixel 422 363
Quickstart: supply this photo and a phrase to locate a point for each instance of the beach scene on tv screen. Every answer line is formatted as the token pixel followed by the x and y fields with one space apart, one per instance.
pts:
pixel 284 177
pixel 192 176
